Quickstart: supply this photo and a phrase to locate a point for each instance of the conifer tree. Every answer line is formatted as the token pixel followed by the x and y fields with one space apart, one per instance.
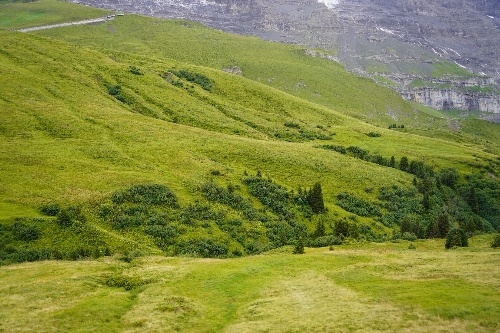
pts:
pixel 299 246
pixel 392 162
pixel 403 164
pixel 320 228
pixel 315 199
pixel 432 230
pixel 443 225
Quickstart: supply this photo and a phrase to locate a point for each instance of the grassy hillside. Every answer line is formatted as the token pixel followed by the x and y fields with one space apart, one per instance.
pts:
pixel 25 14
pixel 363 288
pixel 127 154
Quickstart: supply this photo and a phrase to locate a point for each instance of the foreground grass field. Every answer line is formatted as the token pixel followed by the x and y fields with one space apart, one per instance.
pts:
pixel 354 288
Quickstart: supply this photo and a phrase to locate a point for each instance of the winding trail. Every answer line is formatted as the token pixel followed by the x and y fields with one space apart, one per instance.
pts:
pixel 88 21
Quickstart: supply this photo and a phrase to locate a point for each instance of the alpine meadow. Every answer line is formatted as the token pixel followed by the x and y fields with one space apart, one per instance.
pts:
pixel 162 176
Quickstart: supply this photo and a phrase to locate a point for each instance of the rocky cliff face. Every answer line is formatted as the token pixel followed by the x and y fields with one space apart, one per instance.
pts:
pixel 376 38
pixel 451 99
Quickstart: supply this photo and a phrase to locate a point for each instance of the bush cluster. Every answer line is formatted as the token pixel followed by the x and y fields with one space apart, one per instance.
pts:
pixel 200 79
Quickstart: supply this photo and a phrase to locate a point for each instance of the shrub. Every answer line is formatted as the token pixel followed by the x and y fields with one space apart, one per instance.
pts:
pixel 357 205
pixel 63 218
pixel 299 246
pixel 456 238
pixel 25 232
pixel 496 241
pixel 51 209
pixel 204 247
pixel 148 194
pixel 315 199
pixel 374 135
pixel 134 70
pixel 200 79
pixel 292 125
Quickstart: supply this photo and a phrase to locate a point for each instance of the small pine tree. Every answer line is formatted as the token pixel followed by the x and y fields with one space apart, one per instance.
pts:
pixel 470 227
pixel 405 225
pixel 315 199
pixel 403 164
pixel 320 228
pixel 472 200
pixel 456 237
pixel 392 162
pixel 299 246
pixel 443 225
pixel 432 230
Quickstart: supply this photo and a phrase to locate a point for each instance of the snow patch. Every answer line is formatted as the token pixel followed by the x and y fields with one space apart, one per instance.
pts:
pixel 490 16
pixel 330 3
pixel 456 63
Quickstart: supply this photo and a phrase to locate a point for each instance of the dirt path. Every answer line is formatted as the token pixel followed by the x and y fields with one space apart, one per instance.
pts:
pixel 88 21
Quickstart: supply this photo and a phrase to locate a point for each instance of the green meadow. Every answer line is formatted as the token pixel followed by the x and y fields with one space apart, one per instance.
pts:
pixel 353 288
pixel 143 187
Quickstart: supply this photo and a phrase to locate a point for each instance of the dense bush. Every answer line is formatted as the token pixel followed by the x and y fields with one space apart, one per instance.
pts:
pixel 203 247
pixel 200 79
pixel 148 194
pixel 272 195
pixel 25 232
pixel 456 237
pixel 51 209
pixel 356 205
pixel 496 241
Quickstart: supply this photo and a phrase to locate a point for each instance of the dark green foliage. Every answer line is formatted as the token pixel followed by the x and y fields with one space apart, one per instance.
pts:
pixel 399 202
pixel 320 229
pixel 448 177
pixel 456 237
pixel 64 218
pixel 392 162
pixel 341 228
pixel 148 194
pixel 203 247
pixel 51 209
pixel 472 200
pixel 25 232
pixel 272 195
pixel 291 125
pixel 396 126
pixel 134 70
pixel 227 196
pixel 299 246
pixel 496 241
pixel 338 149
pixel 403 163
pixel 356 205
pixel 315 199
pixel 432 230
pixel 374 135
pixel 116 92
pixel 200 79
pixel 357 152
pixel 443 225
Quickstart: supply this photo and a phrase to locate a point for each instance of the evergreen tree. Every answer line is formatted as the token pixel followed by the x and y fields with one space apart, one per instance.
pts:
pixel 472 200
pixel 443 225
pixel 405 225
pixel 341 228
pixel 403 164
pixel 456 237
pixel 392 162
pixel 320 228
pixel 299 246
pixel 315 199
pixel 470 227
pixel 432 230
pixel 426 202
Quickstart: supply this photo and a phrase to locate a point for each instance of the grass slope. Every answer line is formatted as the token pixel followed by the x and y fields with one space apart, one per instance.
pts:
pixel 368 288
pixel 25 14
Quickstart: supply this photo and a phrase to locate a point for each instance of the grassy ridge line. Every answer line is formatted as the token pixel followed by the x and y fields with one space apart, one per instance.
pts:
pixel 20 15
pixel 367 287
